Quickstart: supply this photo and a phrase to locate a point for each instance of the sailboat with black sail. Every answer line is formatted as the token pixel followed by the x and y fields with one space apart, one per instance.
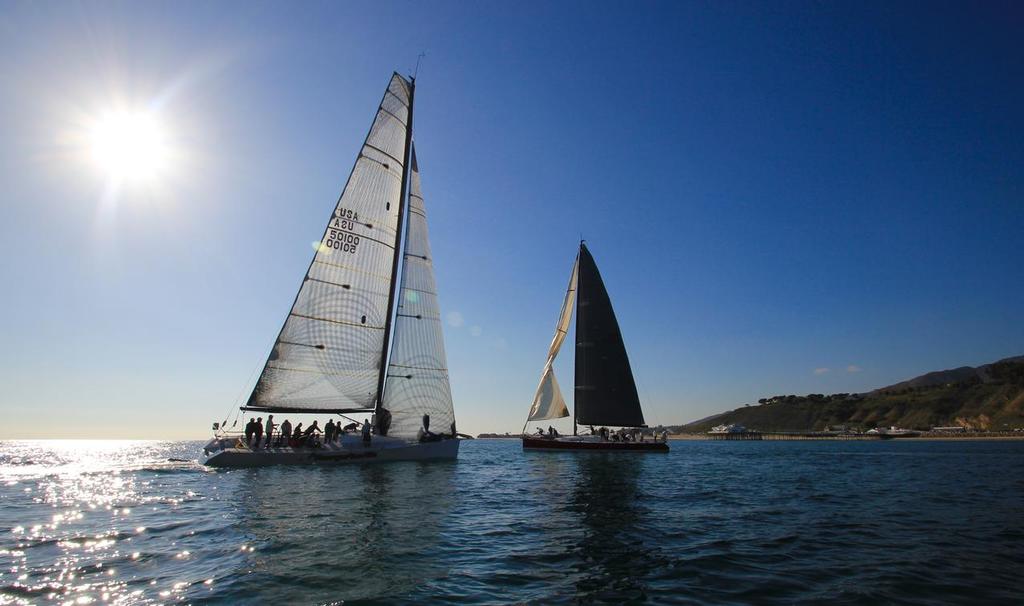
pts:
pixel 605 393
pixel 368 292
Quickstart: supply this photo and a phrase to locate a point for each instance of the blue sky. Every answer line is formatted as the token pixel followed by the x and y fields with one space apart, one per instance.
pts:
pixel 782 197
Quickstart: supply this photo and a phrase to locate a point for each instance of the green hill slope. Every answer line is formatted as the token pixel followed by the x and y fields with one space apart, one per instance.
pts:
pixel 992 399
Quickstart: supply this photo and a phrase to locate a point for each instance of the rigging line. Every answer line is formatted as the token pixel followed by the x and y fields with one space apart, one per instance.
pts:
pixel 245 386
pixel 350 418
pixel 350 268
pixel 343 323
pixel 417 70
pixel 381 151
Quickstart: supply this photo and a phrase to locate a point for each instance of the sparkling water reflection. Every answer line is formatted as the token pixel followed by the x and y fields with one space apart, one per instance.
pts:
pixel 915 522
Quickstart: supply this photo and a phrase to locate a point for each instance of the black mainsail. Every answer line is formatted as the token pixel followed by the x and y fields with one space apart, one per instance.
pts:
pixel 605 389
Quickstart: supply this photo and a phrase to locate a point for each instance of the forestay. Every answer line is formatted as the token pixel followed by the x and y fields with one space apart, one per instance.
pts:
pixel 417 380
pixel 548 402
pixel 328 353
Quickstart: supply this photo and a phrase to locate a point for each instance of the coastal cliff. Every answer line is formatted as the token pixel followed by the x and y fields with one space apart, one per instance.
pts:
pixel 984 398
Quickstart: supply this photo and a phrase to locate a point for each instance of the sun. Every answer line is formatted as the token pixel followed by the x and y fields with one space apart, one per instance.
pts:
pixel 129 145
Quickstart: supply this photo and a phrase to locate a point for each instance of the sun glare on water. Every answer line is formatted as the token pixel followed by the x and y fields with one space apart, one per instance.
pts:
pixel 129 145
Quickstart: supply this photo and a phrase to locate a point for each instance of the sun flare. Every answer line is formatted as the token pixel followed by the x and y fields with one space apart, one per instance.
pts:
pixel 129 146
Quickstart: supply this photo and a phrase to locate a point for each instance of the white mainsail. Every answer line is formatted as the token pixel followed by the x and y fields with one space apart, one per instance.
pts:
pixel 417 381
pixel 328 353
pixel 548 402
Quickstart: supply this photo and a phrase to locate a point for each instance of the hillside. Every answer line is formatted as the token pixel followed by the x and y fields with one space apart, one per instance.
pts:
pixel 989 397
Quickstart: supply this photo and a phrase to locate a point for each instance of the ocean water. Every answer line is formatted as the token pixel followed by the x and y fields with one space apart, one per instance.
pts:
pixel 711 523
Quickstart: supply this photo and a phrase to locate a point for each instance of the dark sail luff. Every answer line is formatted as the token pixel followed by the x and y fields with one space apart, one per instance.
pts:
pixel 605 389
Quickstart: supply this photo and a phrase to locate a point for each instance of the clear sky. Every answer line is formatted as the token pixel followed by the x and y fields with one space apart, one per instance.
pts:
pixel 782 197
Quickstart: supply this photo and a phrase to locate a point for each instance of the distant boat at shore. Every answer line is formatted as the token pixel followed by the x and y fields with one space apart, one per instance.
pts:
pixel 732 428
pixel 893 432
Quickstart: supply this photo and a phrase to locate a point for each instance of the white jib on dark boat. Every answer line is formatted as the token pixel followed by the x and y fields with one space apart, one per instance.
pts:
pixel 364 295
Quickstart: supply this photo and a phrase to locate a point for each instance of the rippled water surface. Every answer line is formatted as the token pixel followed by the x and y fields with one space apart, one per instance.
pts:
pixel 712 522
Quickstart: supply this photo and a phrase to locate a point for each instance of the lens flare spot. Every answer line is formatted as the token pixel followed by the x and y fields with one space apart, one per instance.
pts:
pixel 322 248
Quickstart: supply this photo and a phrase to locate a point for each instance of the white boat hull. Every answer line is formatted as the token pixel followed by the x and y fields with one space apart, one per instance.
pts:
pixel 228 453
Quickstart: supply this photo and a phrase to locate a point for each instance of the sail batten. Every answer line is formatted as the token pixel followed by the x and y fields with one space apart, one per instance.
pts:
pixel 345 290
pixel 417 378
pixel 605 391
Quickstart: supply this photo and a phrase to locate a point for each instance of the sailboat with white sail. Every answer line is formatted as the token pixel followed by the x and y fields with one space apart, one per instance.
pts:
pixel 368 293
pixel 605 393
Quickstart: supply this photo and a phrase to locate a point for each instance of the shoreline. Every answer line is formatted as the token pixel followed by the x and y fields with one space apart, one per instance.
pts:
pixel 781 437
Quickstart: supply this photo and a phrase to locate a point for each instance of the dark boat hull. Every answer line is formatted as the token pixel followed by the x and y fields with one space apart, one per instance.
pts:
pixel 569 444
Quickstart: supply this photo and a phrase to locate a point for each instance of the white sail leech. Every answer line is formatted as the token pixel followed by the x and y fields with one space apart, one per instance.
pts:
pixel 548 402
pixel 327 355
pixel 417 380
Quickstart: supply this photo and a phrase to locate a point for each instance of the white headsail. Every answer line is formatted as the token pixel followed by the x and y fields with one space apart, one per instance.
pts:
pixel 548 402
pixel 328 353
pixel 417 381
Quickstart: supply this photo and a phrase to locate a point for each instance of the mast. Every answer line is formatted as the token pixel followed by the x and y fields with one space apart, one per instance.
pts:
pixel 398 243
pixel 579 352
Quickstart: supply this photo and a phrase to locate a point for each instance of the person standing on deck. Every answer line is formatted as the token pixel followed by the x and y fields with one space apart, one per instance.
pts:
pixel 286 432
pixel 366 432
pixel 258 432
pixel 249 428
pixel 269 429
pixel 329 431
